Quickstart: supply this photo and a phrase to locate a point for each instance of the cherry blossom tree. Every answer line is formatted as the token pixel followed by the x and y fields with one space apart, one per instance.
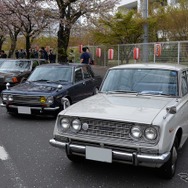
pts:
pixel 26 17
pixel 70 11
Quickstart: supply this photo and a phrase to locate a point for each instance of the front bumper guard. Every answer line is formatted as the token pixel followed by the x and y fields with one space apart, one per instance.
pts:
pixel 135 158
pixel 33 108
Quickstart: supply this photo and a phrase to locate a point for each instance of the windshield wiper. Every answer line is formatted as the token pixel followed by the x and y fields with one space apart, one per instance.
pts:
pixel 49 81
pixel 41 80
pixel 155 93
pixel 120 91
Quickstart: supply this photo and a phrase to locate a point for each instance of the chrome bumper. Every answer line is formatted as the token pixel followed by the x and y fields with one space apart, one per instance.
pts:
pixel 34 108
pixel 3 105
pixel 133 158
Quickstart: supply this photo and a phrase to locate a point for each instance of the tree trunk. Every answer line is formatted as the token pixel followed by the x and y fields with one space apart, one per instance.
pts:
pixel 28 46
pixel 2 39
pixel 12 47
pixel 63 41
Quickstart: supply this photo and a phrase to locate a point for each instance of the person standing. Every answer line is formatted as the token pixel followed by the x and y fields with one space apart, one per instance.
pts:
pixel 51 56
pixel 71 56
pixel 3 54
pixel 17 54
pixel 43 54
pixel 91 56
pixel 22 54
pixel 85 57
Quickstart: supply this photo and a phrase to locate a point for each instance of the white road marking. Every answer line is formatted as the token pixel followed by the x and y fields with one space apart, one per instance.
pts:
pixel 11 168
pixel 3 154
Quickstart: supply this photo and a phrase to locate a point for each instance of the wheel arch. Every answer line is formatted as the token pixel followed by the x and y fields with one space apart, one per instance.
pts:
pixel 179 135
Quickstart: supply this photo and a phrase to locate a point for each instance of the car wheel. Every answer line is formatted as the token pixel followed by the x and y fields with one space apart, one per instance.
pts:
pixel 66 103
pixel 169 168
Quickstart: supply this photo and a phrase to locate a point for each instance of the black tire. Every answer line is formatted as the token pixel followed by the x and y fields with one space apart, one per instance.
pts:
pixel 74 158
pixel 169 168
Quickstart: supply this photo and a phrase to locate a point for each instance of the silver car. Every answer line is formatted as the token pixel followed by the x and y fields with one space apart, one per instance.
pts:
pixel 139 117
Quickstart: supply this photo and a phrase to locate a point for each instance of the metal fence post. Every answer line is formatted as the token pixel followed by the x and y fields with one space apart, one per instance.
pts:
pixel 178 52
pixel 118 54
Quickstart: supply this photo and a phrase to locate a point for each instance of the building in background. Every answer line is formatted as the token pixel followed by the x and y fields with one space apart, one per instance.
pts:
pixel 136 4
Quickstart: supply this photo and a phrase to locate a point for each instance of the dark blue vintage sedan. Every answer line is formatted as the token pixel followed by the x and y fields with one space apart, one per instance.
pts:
pixel 50 89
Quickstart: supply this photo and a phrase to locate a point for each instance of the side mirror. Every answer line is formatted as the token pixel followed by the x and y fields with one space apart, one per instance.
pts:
pixel 7 85
pixel 171 110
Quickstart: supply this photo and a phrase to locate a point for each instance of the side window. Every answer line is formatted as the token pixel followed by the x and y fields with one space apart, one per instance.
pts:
pixel 86 72
pixel 184 84
pixel 78 75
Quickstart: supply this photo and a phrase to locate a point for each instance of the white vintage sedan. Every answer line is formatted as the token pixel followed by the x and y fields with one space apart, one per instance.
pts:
pixel 139 117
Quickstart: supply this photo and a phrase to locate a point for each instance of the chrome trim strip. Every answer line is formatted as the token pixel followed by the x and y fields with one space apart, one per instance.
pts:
pixel 57 144
pixel 37 108
pixel 135 158
pixel 3 105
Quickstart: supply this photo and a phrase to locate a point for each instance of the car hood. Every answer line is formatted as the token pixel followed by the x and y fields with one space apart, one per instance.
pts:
pixel 36 87
pixel 142 109
pixel 10 73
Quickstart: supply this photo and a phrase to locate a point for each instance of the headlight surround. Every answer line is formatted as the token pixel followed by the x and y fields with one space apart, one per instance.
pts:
pixel 50 100
pixel 65 123
pixel 76 125
pixel 5 97
pixel 150 133
pixel 136 132
pixel 10 98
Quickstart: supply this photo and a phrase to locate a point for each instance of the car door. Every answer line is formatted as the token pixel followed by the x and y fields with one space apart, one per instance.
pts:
pixel 89 80
pixel 78 91
pixel 182 111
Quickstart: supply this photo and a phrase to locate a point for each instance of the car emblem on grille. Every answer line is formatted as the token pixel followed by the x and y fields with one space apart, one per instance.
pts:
pixel 85 126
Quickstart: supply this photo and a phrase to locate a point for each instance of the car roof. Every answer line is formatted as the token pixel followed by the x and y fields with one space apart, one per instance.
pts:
pixel 62 65
pixel 165 66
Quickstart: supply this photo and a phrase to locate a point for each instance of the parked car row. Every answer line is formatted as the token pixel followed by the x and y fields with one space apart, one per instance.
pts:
pixel 51 88
pixel 14 71
pixel 137 115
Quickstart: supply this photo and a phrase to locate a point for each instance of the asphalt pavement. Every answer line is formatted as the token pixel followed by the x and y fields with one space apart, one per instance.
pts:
pixel 27 160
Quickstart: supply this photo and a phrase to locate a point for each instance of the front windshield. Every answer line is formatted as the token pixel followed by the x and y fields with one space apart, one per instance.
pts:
pixel 143 81
pixel 51 74
pixel 10 65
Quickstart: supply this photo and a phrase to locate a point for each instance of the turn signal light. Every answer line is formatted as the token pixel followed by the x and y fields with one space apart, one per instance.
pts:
pixel 14 79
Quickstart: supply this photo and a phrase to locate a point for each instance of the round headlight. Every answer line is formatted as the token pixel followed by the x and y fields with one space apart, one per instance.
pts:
pixel 65 123
pixel 50 100
pixel 76 125
pixel 42 99
pixel 4 97
pixel 136 132
pixel 151 133
pixel 10 98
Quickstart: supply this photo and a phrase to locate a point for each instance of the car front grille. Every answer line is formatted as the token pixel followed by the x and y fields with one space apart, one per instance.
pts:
pixel 107 131
pixel 1 79
pixel 26 99
pixel 111 129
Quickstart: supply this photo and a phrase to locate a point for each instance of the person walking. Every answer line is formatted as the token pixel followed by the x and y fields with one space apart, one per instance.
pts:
pixel 85 57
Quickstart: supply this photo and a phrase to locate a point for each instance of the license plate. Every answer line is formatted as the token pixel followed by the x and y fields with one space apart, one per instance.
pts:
pixel 99 154
pixel 24 110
